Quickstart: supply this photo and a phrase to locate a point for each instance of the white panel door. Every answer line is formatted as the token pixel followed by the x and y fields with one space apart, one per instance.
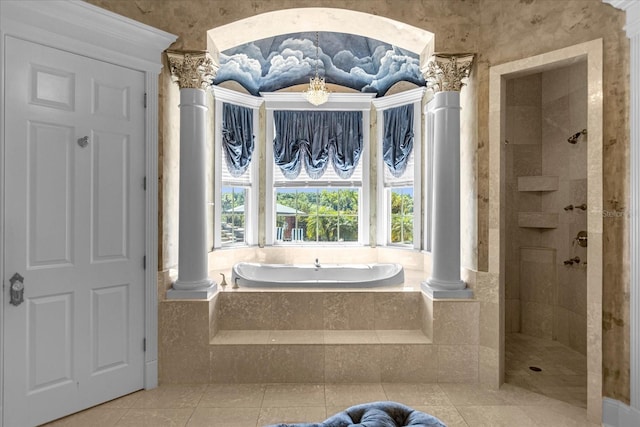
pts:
pixel 74 222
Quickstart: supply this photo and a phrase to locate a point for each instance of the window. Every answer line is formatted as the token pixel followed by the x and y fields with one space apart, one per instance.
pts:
pixel 325 206
pixel 322 208
pixel 235 185
pixel 235 193
pixel 317 214
pixel 399 221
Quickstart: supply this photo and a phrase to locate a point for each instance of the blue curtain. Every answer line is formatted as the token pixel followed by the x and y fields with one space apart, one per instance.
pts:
pixel 397 141
pixel 237 137
pixel 315 138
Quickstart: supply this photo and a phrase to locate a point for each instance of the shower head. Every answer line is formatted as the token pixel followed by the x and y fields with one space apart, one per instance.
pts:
pixel 574 138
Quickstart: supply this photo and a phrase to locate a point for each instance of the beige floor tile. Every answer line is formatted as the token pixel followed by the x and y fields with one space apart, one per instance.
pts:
pixel 472 395
pixel 98 417
pixel 171 397
pixel 557 414
pixel 515 395
pixel 155 418
pixel 343 396
pixel 564 370
pixel 417 394
pixel 292 415
pixel 574 395
pixel 233 396
pixel 124 402
pixel 449 415
pixel 293 395
pixel 224 417
pixel 231 405
pixel 495 416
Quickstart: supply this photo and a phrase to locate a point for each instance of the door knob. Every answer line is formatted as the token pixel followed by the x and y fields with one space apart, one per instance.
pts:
pixel 16 289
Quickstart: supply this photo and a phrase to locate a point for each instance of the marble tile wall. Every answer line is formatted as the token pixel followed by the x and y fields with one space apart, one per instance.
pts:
pixel 319 310
pixel 538 283
pixel 523 157
pixel 183 341
pixel 564 111
pixel 456 336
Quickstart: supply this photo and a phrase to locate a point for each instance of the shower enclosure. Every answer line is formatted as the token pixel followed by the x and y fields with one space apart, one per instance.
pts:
pixel 546 241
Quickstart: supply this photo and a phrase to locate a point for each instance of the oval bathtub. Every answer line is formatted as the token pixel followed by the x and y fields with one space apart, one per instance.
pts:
pixel 256 275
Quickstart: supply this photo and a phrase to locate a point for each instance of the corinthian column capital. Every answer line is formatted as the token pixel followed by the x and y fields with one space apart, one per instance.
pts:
pixel 445 71
pixel 191 69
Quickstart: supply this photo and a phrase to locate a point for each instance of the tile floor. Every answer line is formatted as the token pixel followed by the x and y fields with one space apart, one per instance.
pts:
pixel 555 396
pixel 564 371
pixel 254 405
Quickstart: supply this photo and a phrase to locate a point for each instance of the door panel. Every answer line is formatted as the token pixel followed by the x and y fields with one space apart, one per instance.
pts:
pixel 110 178
pixel 50 192
pixel 50 342
pixel 111 101
pixel 75 230
pixel 109 326
pixel 51 87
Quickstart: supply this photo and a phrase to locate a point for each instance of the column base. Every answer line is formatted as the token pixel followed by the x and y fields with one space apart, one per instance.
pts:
pixel 439 293
pixel 200 292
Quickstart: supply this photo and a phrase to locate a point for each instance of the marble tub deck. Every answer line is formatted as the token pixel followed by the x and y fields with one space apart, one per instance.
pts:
pixel 391 334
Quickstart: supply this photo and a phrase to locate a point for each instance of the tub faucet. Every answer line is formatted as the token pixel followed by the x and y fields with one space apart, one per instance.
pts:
pixel 317 263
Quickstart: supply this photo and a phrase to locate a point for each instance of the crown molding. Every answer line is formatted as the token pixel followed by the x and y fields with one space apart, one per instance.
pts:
pixel 336 102
pixel 398 99
pixel 235 97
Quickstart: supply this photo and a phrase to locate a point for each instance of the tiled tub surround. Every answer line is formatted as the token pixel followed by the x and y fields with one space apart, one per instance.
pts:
pixel 319 336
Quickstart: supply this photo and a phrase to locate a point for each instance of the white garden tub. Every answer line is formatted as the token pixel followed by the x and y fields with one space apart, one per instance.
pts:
pixel 257 275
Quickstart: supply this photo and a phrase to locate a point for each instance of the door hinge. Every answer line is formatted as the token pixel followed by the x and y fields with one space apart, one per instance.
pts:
pixel 144 262
pixel 145 100
pixel 144 344
pixel 144 183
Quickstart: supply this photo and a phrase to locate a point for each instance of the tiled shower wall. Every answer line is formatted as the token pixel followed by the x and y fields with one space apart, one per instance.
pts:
pixel 564 113
pixel 545 297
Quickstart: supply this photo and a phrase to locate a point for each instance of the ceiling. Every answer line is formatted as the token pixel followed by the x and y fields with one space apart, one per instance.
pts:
pixel 353 61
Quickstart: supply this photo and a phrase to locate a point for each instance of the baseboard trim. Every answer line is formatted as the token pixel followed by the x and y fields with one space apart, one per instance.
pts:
pixel 618 414
pixel 151 374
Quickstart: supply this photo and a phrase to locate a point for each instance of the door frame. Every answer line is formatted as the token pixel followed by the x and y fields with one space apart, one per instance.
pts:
pixel 591 52
pixel 84 29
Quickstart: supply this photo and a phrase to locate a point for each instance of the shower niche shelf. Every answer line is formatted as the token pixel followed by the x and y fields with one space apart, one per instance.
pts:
pixel 537 183
pixel 537 220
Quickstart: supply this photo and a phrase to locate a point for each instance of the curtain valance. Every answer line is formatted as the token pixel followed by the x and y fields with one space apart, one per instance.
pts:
pixel 237 137
pixel 397 141
pixel 314 138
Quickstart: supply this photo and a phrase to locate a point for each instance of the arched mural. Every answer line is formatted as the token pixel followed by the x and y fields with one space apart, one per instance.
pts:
pixel 360 63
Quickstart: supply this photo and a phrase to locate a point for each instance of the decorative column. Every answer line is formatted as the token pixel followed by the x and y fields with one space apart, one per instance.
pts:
pixel 193 71
pixel 444 76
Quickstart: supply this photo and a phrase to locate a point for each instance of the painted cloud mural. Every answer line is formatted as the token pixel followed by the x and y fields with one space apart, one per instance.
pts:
pixel 360 63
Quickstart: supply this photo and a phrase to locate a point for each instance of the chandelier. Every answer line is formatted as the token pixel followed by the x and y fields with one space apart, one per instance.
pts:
pixel 317 93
